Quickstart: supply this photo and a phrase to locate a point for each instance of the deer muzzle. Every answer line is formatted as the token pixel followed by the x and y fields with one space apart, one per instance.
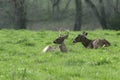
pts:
pixel 74 41
pixel 54 42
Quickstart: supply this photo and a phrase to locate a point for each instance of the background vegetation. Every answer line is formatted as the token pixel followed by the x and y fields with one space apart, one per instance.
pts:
pixel 54 14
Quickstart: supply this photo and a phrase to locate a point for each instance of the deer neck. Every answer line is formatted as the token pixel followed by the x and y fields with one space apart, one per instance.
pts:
pixel 86 42
pixel 63 47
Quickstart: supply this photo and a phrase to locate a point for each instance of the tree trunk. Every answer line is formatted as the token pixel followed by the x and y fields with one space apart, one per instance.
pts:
pixel 101 16
pixel 56 8
pixel 66 7
pixel 20 14
pixel 117 7
pixel 78 17
pixel 109 8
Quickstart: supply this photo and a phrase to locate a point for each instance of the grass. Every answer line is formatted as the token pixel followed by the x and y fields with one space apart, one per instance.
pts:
pixel 21 57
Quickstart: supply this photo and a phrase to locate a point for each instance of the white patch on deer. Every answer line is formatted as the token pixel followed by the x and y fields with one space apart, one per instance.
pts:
pixel 51 48
pixel 47 48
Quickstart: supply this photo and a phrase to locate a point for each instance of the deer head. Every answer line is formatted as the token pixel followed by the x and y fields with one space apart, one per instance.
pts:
pixel 61 39
pixel 80 37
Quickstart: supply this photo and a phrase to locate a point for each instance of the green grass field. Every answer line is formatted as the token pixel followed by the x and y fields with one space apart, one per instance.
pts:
pixel 21 57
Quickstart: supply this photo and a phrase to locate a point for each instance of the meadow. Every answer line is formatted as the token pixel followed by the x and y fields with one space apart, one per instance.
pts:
pixel 21 57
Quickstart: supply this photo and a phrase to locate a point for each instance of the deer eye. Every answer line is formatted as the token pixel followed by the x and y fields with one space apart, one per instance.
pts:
pixel 57 39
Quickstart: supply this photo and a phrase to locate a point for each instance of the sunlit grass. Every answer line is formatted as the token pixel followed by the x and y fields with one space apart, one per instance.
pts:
pixel 21 57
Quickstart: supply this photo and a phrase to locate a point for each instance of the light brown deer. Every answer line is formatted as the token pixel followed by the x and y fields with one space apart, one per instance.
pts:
pixel 93 44
pixel 61 45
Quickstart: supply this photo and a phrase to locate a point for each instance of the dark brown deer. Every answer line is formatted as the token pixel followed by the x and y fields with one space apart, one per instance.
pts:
pixel 93 44
pixel 61 45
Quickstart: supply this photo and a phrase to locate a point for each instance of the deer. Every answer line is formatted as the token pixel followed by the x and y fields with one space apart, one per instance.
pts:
pixel 92 44
pixel 60 44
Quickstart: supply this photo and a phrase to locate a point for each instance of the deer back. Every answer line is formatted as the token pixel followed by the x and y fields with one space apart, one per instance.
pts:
pixel 100 43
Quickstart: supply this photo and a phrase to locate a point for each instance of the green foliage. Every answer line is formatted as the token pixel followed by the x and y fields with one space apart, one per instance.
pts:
pixel 21 57
pixel 115 22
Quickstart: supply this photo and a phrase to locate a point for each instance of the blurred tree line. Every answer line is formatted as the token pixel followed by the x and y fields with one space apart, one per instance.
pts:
pixel 21 14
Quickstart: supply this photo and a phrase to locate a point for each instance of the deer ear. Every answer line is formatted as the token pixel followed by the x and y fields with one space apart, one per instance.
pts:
pixel 85 33
pixel 66 36
pixel 79 35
